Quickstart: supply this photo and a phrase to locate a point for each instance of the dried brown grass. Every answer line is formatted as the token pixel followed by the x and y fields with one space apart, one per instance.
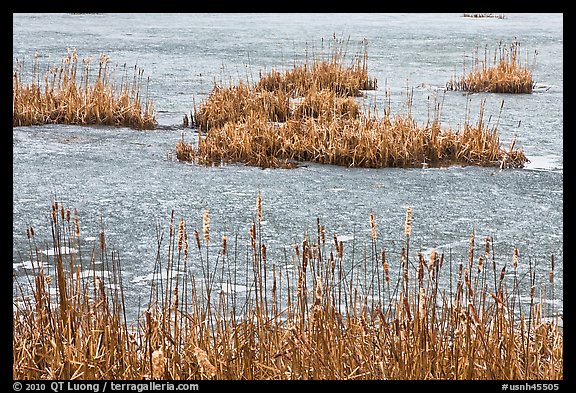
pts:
pixel 69 94
pixel 309 114
pixel 506 74
pixel 332 316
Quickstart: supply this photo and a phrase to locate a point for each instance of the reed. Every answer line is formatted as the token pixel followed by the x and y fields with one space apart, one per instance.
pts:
pixel 69 93
pixel 506 74
pixel 309 113
pixel 328 317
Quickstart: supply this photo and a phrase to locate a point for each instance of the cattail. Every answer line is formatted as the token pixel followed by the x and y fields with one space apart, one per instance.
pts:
pixel 487 248
pixel 373 226
pixel 551 273
pixel 102 242
pixel 421 264
pixel 175 298
pixel 259 207
pixel 205 366
pixel 28 233
pixel 158 364
pixel 185 240
pixel 408 222
pixel 253 236
pixel 76 224
pixel 385 267
pixel 197 236
pixel 48 280
pixel 224 244
pixel 180 234
pixel 471 250
pixel 318 291
pixel 433 259
pixel 206 225
pixel 68 215
pixel 422 303
pixel 263 250
pixel 32 234
pixel 515 258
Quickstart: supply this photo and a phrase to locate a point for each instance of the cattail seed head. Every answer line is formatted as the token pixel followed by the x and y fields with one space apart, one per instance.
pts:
pixel 224 244
pixel 253 236
pixel 318 290
pixel 206 225
pixel 32 234
pixel 433 259
pixel 386 268
pixel 373 226
pixel 259 207
pixel 76 224
pixel 515 258
pixel 68 215
pixel 197 236
pixel 408 222
pixel 422 302
pixel 180 234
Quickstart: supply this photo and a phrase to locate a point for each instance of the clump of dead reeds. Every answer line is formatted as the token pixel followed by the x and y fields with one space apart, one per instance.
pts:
pixel 329 310
pixel 484 15
pixel 506 74
pixel 70 93
pixel 309 114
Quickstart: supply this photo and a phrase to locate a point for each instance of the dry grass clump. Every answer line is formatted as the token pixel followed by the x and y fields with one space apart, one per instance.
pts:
pixel 484 15
pixel 309 113
pixel 330 310
pixel 505 75
pixel 59 97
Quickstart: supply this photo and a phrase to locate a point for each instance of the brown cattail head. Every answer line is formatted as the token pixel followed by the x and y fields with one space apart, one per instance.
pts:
pixel 318 291
pixel 224 244
pixel 422 303
pixel 433 259
pixel 259 207
pixel 180 234
pixel 385 267
pixel 373 225
pixel 68 215
pixel 408 222
pixel 206 225
pixel 480 263
pixel 253 235
pixel 197 236
pixel 32 234
pixel 76 224
pixel 515 258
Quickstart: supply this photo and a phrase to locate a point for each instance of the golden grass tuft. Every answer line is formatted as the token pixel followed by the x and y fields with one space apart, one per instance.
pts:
pixel 328 317
pixel 506 74
pixel 66 95
pixel 309 113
